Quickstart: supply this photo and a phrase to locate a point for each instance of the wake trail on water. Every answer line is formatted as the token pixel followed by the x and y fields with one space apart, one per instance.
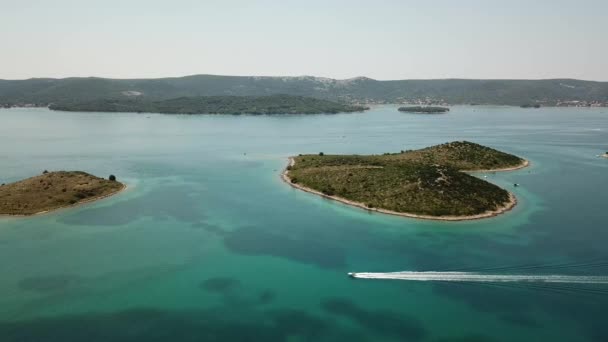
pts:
pixel 585 266
pixel 484 278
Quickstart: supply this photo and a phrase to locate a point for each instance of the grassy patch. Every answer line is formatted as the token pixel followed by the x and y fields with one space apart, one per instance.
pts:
pixel 53 190
pixel 424 182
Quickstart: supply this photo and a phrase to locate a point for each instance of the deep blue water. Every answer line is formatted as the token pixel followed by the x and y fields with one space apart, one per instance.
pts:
pixel 207 243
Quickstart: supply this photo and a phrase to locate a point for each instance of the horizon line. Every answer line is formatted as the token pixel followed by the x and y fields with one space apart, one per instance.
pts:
pixel 305 76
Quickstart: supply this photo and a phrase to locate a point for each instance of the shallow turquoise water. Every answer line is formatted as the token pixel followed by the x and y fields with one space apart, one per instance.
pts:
pixel 208 243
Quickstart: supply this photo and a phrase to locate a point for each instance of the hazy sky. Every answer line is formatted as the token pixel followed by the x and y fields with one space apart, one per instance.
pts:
pixel 381 39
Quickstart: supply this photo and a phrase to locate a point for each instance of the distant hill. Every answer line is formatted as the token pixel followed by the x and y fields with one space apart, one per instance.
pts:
pixel 424 109
pixel 273 104
pixel 43 91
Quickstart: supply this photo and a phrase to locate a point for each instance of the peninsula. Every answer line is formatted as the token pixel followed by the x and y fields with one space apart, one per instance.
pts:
pixel 424 110
pixel 54 190
pixel 430 183
pixel 274 104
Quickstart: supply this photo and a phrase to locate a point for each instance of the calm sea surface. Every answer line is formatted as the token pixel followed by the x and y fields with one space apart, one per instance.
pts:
pixel 207 243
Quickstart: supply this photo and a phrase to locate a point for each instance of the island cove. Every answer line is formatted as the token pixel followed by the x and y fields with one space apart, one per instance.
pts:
pixel 54 190
pixel 431 183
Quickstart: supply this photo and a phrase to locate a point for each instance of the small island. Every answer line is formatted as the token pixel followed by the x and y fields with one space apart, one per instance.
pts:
pixel 255 105
pixel 54 190
pixel 529 105
pixel 431 183
pixel 605 155
pixel 424 110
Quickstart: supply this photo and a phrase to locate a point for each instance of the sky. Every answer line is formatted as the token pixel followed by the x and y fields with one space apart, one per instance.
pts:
pixel 381 39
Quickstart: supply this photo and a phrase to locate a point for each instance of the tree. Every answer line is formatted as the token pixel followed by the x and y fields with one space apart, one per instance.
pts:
pixel 112 178
pixel 321 154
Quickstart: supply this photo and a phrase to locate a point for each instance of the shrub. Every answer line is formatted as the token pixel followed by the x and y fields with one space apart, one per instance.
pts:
pixel 112 178
pixel 321 154
pixel 329 191
pixel 45 172
pixel 294 180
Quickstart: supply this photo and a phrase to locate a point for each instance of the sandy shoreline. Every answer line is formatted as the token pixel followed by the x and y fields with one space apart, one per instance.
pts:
pixel 86 201
pixel 508 206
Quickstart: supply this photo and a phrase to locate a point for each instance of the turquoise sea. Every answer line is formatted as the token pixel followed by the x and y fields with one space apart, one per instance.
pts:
pixel 208 244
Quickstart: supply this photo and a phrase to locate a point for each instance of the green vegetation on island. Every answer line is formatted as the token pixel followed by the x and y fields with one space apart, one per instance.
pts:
pixel 551 92
pixel 54 190
pixel 274 104
pixel 424 109
pixel 462 155
pixel 427 182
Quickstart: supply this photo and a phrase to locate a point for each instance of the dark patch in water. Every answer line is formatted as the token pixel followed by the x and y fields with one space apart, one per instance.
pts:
pixel 466 338
pixel 522 320
pixel 152 325
pixel 300 323
pixel 211 228
pixel 384 322
pixel 47 283
pixel 513 302
pixel 198 225
pixel 486 298
pixel 176 202
pixel 258 241
pixel 266 296
pixel 220 284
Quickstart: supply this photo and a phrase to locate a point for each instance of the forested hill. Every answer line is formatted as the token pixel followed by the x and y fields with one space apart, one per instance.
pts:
pixel 44 91
pixel 273 104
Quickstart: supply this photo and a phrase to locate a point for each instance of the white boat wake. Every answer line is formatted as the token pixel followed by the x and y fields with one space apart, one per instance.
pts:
pixel 477 277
